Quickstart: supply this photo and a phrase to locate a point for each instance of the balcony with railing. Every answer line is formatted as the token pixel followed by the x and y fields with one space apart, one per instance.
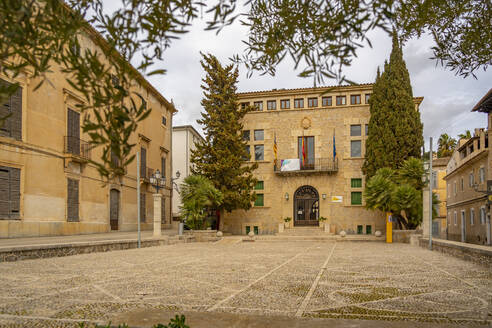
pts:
pixel 145 174
pixel 296 166
pixel 76 149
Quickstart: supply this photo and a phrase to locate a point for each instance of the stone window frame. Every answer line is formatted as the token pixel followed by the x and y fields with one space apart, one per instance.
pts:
pixel 342 102
pixel 258 105
pixel 463 216
pixel 351 153
pixel 472 216
pixel 367 96
pixel 455 188
pixel 244 104
pixel 284 103
pixel 259 203
pixel 462 182
pixel 471 179
pixel 326 101
pixel 257 159
pixel 354 131
pixel 298 102
pixel 263 135
pixel 355 99
pixel 481 174
pixel 483 215
pixel 270 102
pixel 248 134
pixel 312 102
pixel 455 218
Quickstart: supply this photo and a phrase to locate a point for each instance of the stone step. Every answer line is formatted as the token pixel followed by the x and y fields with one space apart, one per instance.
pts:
pixel 304 231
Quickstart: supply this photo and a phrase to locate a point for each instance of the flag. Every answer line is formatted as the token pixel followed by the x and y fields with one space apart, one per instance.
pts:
pixel 303 152
pixel 334 147
pixel 275 149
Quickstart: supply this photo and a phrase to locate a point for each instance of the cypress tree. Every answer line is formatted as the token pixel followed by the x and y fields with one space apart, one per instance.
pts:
pixel 395 129
pixel 221 157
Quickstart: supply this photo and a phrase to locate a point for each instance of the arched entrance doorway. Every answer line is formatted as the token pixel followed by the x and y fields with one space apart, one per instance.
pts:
pixel 114 208
pixel 306 206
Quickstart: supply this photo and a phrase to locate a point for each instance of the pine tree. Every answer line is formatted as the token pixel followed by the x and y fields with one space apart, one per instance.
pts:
pixel 220 157
pixel 395 129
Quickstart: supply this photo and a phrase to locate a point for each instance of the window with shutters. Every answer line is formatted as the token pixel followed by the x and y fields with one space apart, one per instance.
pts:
pixel 356 183
pixel 12 126
pixel 356 198
pixel 72 200
pixel 143 162
pixel 326 101
pixel 73 132
pixel 9 192
pixel 142 207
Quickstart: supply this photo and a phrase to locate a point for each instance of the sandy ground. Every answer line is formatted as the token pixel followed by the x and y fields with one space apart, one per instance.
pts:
pixel 294 281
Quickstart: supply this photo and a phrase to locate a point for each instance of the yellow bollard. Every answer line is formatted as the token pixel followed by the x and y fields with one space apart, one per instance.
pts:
pixel 389 228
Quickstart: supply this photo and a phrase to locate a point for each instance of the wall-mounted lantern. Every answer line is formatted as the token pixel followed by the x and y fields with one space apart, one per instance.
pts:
pixel 324 196
pixel 286 196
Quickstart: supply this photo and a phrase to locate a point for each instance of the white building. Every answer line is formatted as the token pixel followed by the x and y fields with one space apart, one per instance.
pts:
pixel 184 140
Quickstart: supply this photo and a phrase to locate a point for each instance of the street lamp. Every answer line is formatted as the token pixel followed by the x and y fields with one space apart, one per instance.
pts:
pixel 158 182
pixel 175 185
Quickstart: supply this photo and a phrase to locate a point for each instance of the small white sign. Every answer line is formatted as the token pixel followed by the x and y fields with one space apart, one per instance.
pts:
pixel 337 199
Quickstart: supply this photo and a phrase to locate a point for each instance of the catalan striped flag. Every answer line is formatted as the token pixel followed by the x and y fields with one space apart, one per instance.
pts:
pixel 275 149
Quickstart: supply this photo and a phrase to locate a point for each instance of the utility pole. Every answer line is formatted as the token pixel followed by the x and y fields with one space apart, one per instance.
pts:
pixel 138 198
pixel 430 194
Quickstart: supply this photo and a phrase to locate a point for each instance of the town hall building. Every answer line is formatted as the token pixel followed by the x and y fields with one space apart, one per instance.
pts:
pixel 319 135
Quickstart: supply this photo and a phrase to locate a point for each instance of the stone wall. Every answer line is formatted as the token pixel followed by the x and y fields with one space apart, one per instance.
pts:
pixel 402 236
pixel 202 235
pixel 8 254
pixel 474 253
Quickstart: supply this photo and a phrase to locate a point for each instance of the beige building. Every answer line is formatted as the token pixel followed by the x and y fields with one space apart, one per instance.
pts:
pixel 466 177
pixel 317 182
pixel 439 165
pixel 47 184
pixel 184 140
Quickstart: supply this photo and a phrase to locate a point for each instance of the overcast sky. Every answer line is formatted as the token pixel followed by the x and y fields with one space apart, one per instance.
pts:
pixel 448 99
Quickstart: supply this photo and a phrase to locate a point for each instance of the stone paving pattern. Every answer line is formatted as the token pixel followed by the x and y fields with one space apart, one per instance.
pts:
pixel 359 280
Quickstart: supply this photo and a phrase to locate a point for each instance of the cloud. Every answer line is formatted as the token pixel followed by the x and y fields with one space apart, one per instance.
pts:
pixel 448 99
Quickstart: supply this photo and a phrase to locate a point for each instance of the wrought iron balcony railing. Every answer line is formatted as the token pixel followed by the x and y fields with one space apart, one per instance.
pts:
pixel 309 166
pixel 77 147
pixel 146 173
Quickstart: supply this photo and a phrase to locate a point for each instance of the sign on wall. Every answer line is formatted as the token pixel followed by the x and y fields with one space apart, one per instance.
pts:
pixel 336 199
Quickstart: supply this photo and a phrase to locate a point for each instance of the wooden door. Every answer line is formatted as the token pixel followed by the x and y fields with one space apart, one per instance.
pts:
pixel 114 208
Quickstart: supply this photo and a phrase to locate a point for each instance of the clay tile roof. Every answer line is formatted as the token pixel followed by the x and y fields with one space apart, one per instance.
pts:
pixel 485 104
pixel 443 161
pixel 307 89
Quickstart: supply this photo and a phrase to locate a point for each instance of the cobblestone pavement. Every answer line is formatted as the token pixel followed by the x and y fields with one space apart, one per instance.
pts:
pixel 359 280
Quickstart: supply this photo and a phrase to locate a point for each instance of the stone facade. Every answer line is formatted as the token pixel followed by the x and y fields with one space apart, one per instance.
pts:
pixel 338 114
pixel 467 208
pixel 439 228
pixel 46 172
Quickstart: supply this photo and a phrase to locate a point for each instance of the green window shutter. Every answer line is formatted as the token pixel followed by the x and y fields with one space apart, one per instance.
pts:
pixel 255 230
pixel 356 183
pixel 368 229
pixel 359 229
pixel 248 229
pixel 259 200
pixel 356 198
pixel 259 185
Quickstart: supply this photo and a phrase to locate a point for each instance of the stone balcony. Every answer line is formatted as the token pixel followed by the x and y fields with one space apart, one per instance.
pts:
pixel 317 165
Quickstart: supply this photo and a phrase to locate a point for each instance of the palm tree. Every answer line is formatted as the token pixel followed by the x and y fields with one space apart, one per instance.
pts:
pixel 466 135
pixel 198 194
pixel 446 145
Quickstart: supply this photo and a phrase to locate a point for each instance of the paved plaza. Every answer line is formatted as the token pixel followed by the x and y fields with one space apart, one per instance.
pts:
pixel 297 280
